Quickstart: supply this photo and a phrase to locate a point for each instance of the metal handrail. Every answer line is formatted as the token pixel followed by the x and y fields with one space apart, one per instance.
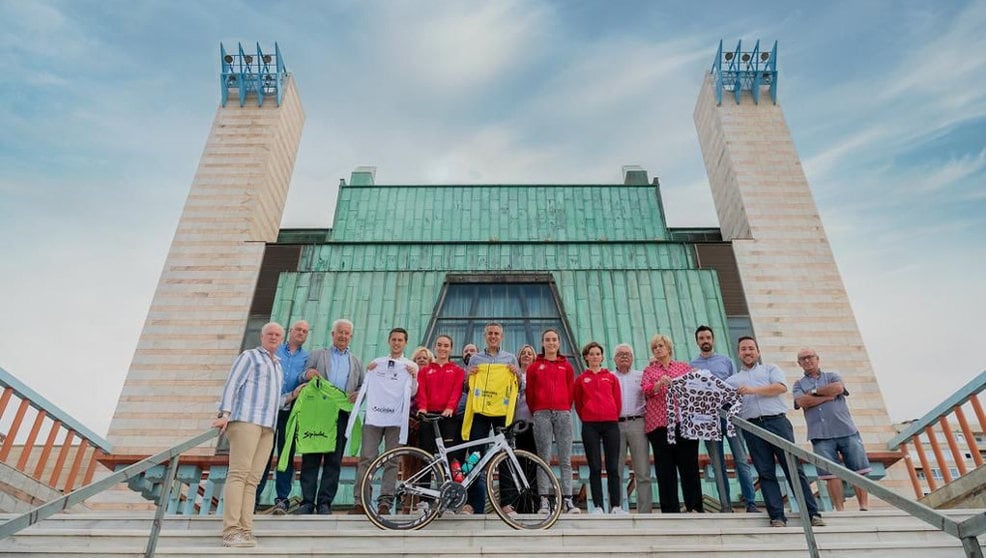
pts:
pixel 23 391
pixel 169 455
pixel 966 531
pixel 974 387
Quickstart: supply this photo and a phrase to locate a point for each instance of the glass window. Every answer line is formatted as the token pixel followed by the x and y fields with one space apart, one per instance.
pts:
pixel 524 308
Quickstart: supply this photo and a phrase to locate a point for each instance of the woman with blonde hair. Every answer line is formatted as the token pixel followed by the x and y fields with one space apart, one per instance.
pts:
pixel 681 457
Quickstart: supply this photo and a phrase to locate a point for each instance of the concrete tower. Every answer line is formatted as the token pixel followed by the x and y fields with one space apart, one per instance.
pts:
pixel 793 288
pixel 195 324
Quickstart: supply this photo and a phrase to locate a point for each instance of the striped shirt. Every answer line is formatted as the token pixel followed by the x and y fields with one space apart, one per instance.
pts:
pixel 253 388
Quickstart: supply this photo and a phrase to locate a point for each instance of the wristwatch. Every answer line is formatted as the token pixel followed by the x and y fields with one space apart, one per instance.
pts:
pixel 814 391
pixel 221 414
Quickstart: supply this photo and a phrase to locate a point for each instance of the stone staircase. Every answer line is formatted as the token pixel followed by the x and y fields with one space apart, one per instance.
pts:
pixel 852 534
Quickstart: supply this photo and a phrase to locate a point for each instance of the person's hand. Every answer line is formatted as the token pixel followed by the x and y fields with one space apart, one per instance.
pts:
pixel 744 390
pixel 297 391
pixel 448 412
pixel 472 371
pixel 311 373
pixel 371 366
pixel 352 397
pixel 221 423
pixel 412 369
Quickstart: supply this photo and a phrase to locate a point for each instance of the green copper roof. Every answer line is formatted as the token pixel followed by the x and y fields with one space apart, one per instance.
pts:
pixel 492 213
pixel 609 306
pixel 526 256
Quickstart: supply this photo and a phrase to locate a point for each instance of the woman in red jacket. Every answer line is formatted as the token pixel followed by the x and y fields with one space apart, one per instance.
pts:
pixel 550 391
pixel 598 403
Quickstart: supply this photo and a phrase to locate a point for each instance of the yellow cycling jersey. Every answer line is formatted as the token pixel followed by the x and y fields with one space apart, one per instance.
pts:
pixel 492 392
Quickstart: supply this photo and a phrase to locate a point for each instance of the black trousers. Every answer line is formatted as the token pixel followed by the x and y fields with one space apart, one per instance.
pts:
pixel 604 435
pixel 313 492
pixel 672 461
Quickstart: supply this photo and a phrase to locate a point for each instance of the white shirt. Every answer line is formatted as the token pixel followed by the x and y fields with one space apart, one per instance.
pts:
pixel 386 392
pixel 632 395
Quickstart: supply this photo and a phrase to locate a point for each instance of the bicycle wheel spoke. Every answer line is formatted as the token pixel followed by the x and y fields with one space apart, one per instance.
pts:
pixel 514 492
pixel 402 489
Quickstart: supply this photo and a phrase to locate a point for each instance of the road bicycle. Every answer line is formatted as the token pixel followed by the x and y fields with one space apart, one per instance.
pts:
pixel 412 487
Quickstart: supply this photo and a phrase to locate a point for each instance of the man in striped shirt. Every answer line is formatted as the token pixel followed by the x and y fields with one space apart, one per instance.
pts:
pixel 247 415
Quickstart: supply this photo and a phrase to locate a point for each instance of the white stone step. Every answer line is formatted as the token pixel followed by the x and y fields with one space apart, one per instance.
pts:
pixel 877 533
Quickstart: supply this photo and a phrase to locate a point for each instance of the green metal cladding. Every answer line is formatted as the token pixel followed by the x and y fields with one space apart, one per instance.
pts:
pixel 618 275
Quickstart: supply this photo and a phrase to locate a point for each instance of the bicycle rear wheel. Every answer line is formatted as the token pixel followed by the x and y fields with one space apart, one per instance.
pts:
pixel 515 494
pixel 412 500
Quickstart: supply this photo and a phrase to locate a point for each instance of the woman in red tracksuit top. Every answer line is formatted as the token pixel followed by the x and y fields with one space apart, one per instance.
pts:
pixel 550 391
pixel 598 403
pixel 439 388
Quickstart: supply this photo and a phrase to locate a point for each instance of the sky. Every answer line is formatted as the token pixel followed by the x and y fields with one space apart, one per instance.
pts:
pixel 105 108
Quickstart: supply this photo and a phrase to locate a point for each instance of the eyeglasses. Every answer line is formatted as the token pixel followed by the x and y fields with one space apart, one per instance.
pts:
pixel 806 357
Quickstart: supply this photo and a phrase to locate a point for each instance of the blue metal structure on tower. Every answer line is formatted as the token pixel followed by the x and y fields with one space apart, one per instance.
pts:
pixel 740 70
pixel 262 74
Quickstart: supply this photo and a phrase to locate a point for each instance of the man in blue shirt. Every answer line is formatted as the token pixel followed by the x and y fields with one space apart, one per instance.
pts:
pixel 293 358
pixel 722 367
pixel 832 432
pixel 761 386
pixel 342 369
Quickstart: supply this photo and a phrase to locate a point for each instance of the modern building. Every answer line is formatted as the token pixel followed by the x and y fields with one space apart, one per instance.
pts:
pixel 596 261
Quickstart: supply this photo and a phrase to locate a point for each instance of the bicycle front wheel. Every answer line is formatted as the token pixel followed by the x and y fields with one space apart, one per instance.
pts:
pixel 402 489
pixel 514 492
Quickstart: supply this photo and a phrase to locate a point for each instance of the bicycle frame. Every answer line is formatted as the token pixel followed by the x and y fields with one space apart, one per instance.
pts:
pixel 500 444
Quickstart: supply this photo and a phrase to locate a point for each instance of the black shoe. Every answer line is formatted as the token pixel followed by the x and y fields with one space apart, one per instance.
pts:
pixel 324 509
pixel 280 506
pixel 305 509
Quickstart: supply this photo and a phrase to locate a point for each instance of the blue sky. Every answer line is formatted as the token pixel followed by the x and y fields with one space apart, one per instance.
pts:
pixel 106 106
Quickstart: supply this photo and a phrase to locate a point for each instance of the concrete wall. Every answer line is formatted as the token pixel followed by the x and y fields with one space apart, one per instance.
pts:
pixel 195 324
pixel 793 287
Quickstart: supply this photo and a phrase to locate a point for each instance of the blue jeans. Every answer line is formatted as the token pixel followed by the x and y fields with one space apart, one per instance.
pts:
pixel 744 471
pixel 282 480
pixel 851 450
pixel 764 453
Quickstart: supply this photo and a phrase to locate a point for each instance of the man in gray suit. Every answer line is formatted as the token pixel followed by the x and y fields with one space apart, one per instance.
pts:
pixel 342 369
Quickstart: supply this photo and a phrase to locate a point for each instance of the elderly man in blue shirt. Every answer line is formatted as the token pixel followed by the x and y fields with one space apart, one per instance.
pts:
pixel 761 386
pixel 247 415
pixel 832 432
pixel 293 357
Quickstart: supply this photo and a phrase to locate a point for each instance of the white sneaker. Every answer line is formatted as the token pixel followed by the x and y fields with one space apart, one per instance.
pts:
pixel 239 540
pixel 598 511
pixel 545 508
pixel 570 507
pixel 618 511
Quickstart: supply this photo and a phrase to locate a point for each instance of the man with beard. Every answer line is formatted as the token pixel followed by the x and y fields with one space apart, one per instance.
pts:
pixel 722 367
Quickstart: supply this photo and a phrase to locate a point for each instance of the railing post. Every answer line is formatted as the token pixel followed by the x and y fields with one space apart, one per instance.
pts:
pixel 794 479
pixel 971 548
pixel 929 431
pixel 163 498
pixel 911 471
pixel 719 467
pixel 970 440
pixel 952 445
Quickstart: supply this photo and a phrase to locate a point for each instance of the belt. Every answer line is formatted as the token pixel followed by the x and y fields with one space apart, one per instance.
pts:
pixel 766 417
pixel 634 417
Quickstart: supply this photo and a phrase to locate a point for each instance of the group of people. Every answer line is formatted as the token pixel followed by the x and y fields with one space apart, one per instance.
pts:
pixel 271 391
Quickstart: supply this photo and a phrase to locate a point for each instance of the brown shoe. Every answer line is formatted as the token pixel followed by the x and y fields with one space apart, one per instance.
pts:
pixel 383 509
pixel 358 509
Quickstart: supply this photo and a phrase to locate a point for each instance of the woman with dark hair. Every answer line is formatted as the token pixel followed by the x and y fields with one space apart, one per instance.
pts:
pixel 550 391
pixel 681 457
pixel 598 403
